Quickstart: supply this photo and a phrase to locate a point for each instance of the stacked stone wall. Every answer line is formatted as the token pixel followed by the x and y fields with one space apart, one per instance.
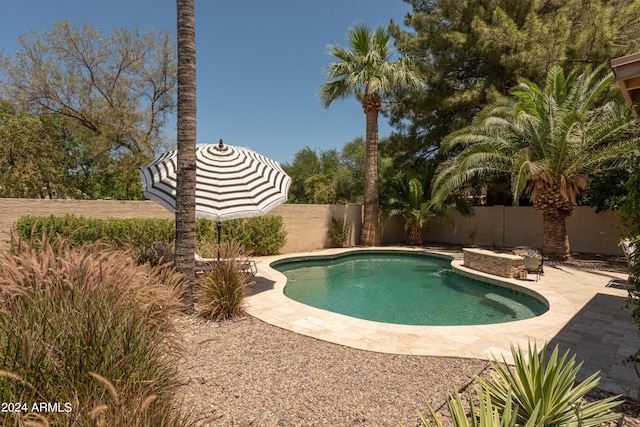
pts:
pixel 498 264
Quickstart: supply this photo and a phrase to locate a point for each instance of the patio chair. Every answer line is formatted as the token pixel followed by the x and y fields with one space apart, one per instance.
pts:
pixel 629 250
pixel 247 265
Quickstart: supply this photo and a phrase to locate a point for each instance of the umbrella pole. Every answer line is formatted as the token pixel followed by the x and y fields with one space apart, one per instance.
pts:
pixel 219 233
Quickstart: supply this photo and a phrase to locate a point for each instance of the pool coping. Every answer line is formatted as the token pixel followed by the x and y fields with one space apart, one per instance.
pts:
pixel 268 303
pixel 460 270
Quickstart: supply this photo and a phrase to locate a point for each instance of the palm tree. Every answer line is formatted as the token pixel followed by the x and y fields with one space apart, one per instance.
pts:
pixel 364 70
pixel 186 159
pixel 408 197
pixel 547 141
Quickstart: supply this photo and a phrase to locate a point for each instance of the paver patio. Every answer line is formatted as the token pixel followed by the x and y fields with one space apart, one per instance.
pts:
pixel 585 315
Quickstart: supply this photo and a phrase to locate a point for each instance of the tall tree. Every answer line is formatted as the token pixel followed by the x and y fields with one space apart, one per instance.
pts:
pixel 319 189
pixel 365 70
pixel 341 170
pixel 186 161
pixel 548 141
pixel 115 89
pixel 349 180
pixel 471 52
pixel 305 164
pixel 34 159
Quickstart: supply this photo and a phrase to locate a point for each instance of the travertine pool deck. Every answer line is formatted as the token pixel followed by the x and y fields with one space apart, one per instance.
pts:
pixel 585 315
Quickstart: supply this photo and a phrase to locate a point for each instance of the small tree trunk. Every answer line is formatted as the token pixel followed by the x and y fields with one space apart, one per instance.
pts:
pixel 555 241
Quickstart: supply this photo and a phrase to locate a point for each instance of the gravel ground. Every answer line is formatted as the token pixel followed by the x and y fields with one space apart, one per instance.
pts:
pixel 248 373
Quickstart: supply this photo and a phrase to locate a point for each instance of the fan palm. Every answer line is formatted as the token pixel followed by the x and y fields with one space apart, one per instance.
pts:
pixel 365 70
pixel 547 140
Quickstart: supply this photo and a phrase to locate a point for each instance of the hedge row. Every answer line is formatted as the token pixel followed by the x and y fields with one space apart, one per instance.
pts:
pixel 259 235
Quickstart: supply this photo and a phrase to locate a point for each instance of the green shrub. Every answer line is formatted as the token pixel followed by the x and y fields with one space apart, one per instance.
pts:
pixel 87 327
pixel 112 231
pixel 222 287
pixel 339 232
pixel 263 235
pixel 536 391
pixel 260 235
pixel 206 231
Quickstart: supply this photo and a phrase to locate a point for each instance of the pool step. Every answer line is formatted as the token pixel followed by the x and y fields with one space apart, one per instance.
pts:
pixel 507 305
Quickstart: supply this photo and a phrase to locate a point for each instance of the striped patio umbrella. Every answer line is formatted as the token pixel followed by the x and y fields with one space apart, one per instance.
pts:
pixel 231 182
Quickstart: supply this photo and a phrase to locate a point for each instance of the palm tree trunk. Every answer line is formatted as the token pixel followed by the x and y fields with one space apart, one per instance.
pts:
pixel 415 234
pixel 555 241
pixel 370 235
pixel 186 159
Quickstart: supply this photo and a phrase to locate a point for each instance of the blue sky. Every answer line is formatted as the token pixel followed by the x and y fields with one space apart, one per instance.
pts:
pixel 259 63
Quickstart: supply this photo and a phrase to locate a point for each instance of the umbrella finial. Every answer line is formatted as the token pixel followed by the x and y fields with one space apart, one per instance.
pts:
pixel 221 146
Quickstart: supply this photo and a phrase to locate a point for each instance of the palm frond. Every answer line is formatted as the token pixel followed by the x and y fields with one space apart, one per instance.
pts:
pixel 566 137
pixel 476 161
pixel 334 90
pixel 523 172
pixel 366 66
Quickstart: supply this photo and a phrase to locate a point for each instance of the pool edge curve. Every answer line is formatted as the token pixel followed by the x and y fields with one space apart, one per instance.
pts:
pixel 269 304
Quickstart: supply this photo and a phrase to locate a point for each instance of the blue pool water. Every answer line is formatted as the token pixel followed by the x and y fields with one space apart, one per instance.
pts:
pixel 401 288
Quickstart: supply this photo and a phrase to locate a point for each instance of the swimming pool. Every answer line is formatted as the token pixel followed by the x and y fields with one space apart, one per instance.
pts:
pixel 401 288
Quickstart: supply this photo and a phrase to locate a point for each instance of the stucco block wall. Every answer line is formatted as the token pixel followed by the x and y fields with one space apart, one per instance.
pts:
pixel 12 209
pixel 307 226
pixel 511 226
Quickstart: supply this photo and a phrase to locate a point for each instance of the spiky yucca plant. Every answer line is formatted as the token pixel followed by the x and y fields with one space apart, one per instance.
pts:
pixel 223 284
pixel 548 384
pixel 536 392
pixel 485 414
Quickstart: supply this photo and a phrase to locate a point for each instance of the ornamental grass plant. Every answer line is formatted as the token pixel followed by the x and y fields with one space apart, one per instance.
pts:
pixel 87 331
pixel 223 283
